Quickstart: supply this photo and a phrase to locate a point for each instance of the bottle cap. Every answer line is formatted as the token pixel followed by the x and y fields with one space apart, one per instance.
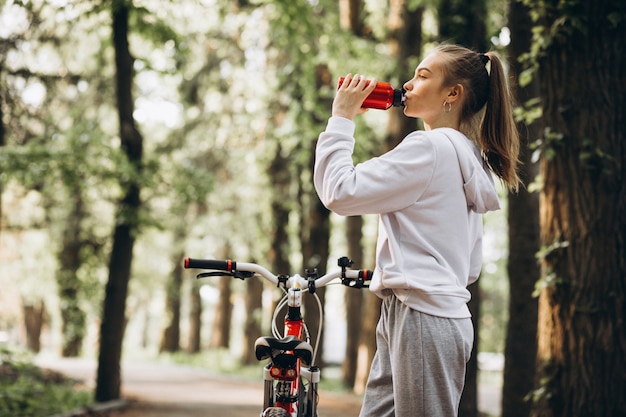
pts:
pixel 398 98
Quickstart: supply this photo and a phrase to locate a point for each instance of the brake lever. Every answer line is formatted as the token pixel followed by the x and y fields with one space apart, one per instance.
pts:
pixel 242 275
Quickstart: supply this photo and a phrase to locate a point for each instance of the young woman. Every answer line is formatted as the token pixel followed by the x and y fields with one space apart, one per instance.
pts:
pixel 429 193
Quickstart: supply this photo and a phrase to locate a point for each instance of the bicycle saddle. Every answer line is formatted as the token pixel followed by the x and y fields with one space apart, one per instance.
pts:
pixel 270 347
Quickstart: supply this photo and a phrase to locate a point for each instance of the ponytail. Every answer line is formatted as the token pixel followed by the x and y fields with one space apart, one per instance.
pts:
pixel 499 137
pixel 489 92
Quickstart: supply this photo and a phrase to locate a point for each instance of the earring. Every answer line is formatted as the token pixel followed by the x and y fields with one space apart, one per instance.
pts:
pixel 447 109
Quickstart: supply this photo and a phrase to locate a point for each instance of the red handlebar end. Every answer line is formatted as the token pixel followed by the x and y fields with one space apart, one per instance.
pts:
pixel 186 263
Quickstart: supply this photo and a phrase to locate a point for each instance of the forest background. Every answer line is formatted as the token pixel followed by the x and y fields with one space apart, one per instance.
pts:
pixel 135 133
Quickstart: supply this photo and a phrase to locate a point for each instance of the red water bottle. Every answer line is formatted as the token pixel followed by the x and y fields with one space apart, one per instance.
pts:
pixel 383 97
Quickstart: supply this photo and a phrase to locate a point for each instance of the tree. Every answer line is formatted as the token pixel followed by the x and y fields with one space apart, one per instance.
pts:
pixel 252 329
pixel 523 219
pixel 220 335
pixel 170 341
pixel 49 135
pixel 582 339
pixel 108 382
pixel 354 301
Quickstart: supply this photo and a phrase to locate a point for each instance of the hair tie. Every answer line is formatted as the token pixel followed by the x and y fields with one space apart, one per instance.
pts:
pixel 484 58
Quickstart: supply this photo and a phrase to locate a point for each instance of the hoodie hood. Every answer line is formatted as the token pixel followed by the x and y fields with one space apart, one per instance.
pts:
pixel 478 184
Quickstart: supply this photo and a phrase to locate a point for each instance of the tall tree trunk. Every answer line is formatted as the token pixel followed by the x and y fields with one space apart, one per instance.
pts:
pixel 108 381
pixel 2 143
pixel 254 315
pixel 73 318
pixel 279 250
pixel 34 318
pixel 195 318
pixel 405 44
pixel 523 218
pixel 367 342
pixel 315 229
pixel 582 306
pixel 468 406
pixel 463 21
pixel 315 240
pixel 351 17
pixel 354 301
pixel 170 341
pixel 220 336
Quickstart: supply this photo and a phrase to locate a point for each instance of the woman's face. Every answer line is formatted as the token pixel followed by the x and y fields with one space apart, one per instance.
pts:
pixel 425 93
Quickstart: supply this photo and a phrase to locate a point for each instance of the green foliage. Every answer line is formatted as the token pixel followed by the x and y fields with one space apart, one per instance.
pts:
pixel 528 112
pixel 548 145
pixel 244 82
pixel 595 159
pixel 557 20
pixel 549 278
pixel 28 391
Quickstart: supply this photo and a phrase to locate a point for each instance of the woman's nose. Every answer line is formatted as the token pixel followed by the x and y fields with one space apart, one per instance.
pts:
pixel 407 86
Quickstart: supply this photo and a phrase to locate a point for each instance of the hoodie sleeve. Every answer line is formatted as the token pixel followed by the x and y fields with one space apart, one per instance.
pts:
pixel 383 184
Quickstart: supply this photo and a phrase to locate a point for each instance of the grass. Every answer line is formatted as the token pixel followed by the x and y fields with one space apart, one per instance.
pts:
pixel 28 391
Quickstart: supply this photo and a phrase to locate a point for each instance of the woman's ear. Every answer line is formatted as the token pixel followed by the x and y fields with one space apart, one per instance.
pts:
pixel 455 93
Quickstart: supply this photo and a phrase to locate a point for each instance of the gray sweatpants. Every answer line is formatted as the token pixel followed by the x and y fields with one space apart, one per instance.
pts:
pixel 419 366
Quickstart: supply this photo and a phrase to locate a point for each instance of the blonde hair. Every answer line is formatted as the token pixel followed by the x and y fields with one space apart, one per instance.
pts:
pixel 487 94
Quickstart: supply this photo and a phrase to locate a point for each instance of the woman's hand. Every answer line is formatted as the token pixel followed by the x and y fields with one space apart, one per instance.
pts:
pixel 350 96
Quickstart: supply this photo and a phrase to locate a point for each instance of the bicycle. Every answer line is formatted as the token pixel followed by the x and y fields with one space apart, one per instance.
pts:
pixel 290 377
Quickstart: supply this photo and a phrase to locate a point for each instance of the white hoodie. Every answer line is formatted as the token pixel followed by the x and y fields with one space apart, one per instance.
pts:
pixel 430 192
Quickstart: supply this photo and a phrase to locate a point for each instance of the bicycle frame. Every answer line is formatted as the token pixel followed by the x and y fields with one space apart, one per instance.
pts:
pixel 283 383
pixel 291 357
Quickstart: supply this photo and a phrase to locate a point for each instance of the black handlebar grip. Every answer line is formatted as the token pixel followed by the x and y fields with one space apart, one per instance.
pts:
pixel 210 264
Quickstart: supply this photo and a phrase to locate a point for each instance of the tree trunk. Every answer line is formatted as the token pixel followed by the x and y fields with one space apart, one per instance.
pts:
pixel 195 318
pixel 315 251
pixel 2 143
pixel 468 407
pixel 582 306
pixel 279 251
pixel 170 341
pixel 351 17
pixel 34 318
pixel 523 219
pixel 405 45
pixel 463 21
pixel 73 318
pixel 315 230
pixel 354 301
pixel 220 336
pixel 367 342
pixel 108 381
pixel 254 315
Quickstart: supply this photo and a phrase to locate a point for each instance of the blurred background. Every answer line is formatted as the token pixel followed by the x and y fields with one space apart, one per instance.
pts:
pixel 135 133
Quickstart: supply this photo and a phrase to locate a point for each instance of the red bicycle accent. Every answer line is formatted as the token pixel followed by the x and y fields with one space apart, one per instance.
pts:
pixel 290 377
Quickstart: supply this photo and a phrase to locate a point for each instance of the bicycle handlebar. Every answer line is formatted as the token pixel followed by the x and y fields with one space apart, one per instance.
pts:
pixel 295 280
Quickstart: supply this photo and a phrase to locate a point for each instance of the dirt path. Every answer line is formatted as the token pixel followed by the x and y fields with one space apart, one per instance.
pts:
pixel 158 390
pixel 161 390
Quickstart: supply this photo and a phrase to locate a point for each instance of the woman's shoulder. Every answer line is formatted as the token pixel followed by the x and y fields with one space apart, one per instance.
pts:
pixel 455 138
